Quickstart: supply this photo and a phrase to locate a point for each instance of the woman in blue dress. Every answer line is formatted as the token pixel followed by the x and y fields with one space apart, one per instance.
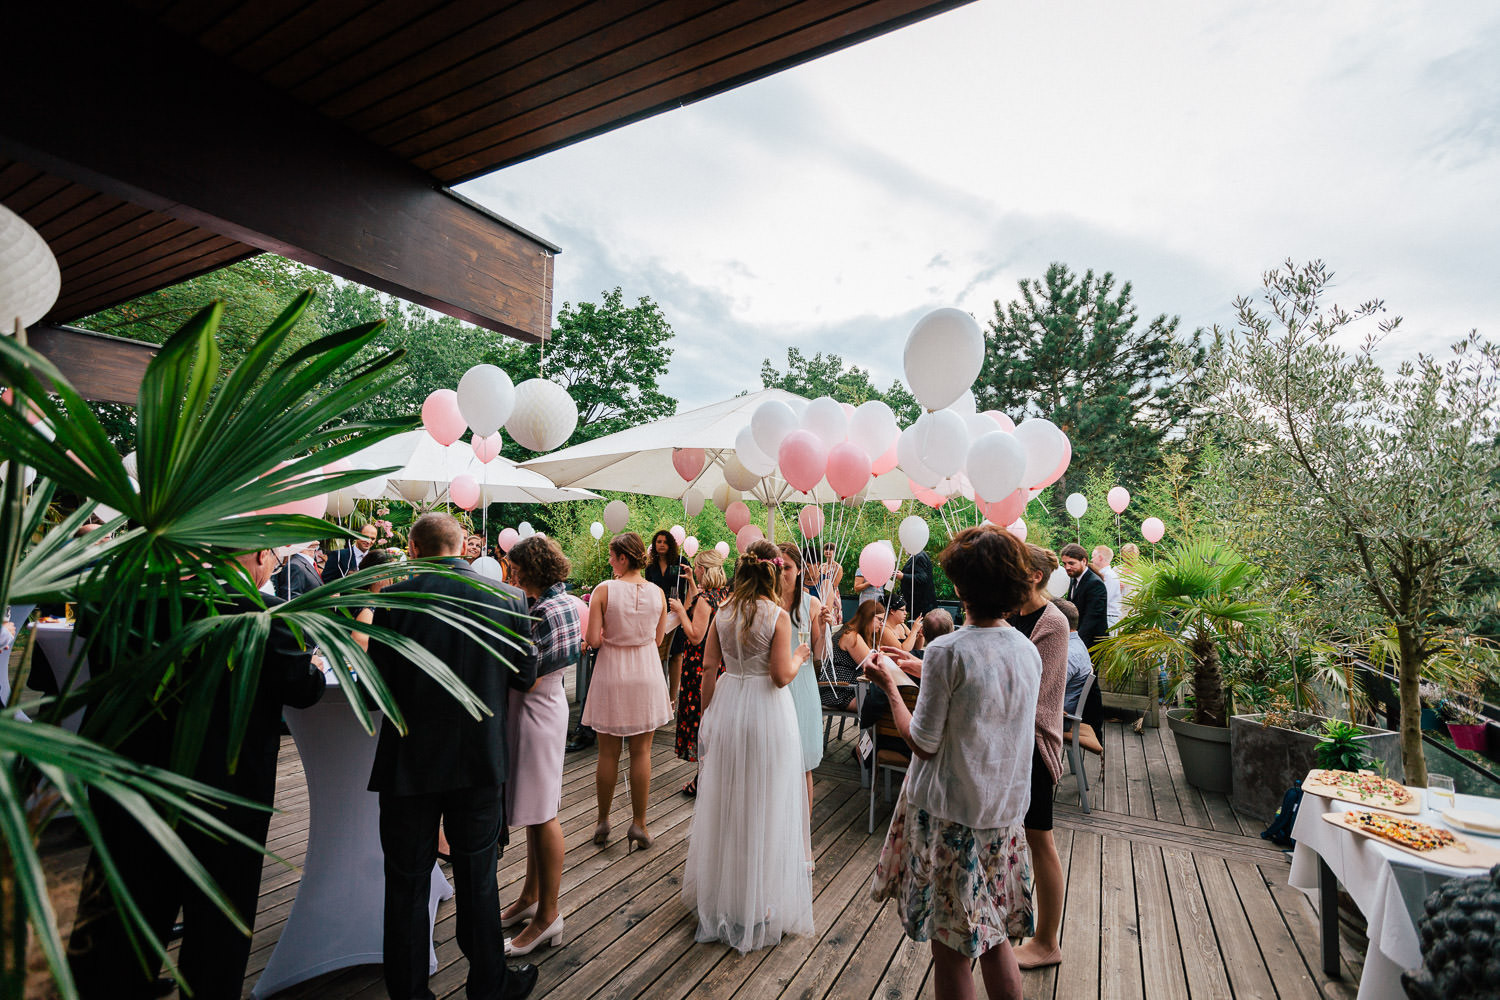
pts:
pixel 810 625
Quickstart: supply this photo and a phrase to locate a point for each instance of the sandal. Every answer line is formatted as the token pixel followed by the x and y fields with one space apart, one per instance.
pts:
pixel 691 789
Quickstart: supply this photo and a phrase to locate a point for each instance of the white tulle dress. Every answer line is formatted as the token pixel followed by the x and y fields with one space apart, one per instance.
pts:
pixel 747 874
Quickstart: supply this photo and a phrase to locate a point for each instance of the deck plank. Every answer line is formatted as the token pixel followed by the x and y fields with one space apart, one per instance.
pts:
pixel 1119 931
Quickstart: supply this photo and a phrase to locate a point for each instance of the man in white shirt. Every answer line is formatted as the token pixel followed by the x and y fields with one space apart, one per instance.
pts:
pixel 1113 609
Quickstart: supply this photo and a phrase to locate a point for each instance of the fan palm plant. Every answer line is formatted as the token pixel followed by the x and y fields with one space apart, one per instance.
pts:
pixel 214 453
pixel 1184 609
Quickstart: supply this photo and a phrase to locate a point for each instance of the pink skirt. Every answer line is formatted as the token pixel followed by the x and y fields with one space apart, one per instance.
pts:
pixel 628 692
pixel 536 729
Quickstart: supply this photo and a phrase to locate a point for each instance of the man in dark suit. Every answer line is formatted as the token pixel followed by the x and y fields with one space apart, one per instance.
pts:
pixel 917 586
pixel 449 767
pixel 214 953
pixel 346 560
pixel 297 575
pixel 1088 594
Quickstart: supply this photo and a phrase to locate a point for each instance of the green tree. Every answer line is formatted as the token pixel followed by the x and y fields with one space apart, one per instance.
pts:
pixel 825 375
pixel 1072 349
pixel 1382 485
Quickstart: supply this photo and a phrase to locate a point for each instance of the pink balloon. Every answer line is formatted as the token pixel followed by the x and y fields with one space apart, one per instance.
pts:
pixel 722 548
pixel 441 417
pixel 737 515
pixel 315 506
pixel 930 497
pixel 678 534
pixel 688 462
pixel 810 520
pixel 892 505
pixel 464 491
pixel 1018 529
pixel 690 546
pixel 487 449
pixel 876 563
pixel 507 538
pixel 885 463
pixel 1008 509
pixel 1062 467
pixel 1119 499
pixel 1006 424
pixel 748 536
pixel 803 459
pixel 338 465
pixel 1152 529
pixel 848 469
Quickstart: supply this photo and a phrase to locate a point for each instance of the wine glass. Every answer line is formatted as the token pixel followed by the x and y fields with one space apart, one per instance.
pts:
pixel 1440 794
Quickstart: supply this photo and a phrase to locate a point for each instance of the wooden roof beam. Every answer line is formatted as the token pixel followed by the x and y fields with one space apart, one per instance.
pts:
pixel 143 116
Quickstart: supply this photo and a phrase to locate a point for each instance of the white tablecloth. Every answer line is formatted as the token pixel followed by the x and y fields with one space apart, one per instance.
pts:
pixel 54 641
pixel 1388 885
pixel 337 916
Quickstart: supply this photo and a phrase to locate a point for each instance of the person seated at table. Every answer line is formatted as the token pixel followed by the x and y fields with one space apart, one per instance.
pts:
pixel 851 644
pixel 1080 669
pixel 535 732
pixel 934 623
pixel 894 630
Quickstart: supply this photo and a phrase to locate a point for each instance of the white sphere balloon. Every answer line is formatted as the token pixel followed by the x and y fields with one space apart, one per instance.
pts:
pixel 826 418
pixel 772 421
pixel 616 516
pixel 1057 583
pixel 489 568
pixel 1044 445
pixel 28 474
pixel 911 462
pixel 544 417
pixel 737 476
pixel 724 495
pixel 978 425
pixel 750 455
pixel 913 534
pixel 525 530
pixel 964 405
pixel 597 530
pixel 942 441
pixel 341 502
pixel 486 398
pixel 996 464
pixel 1078 504
pixel 872 428
pixel 413 490
pixel 692 503
pixel 944 353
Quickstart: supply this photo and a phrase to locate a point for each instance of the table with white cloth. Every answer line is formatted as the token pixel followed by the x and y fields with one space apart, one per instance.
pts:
pixel 62 649
pixel 1387 884
pixel 337 917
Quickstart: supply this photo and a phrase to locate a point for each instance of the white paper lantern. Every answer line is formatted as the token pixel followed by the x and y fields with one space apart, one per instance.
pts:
pixel 486 399
pixel 616 515
pixel 29 276
pixel 545 415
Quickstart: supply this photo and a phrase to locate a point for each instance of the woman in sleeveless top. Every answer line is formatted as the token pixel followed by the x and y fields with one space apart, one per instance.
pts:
pixel 697 618
pixel 746 877
pixel 851 645
pixel 809 621
pixel 627 696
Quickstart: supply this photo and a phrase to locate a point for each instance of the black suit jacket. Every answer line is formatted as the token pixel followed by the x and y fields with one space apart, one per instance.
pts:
pixel 445 748
pixel 294 578
pixel 1088 594
pixel 917 586
pixel 341 562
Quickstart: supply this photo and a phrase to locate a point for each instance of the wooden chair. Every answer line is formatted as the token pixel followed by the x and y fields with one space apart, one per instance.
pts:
pixel 842 714
pixel 888 761
pixel 1071 722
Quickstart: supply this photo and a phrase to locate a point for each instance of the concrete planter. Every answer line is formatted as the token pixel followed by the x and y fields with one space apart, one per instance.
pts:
pixel 1267 760
pixel 1204 751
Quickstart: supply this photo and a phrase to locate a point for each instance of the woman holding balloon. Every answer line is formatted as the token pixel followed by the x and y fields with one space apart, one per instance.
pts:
pixel 809 624
pixel 697 617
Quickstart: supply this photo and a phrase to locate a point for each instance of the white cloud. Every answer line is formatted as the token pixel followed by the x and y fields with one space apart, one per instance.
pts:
pixel 1186 147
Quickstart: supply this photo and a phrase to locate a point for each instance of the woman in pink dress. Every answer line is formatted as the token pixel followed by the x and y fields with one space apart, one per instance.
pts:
pixel 628 695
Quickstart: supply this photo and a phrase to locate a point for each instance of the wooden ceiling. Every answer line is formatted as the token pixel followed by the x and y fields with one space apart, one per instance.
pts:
pixel 414 93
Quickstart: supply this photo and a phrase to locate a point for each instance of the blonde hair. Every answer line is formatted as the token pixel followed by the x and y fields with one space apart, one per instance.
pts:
pixel 711 562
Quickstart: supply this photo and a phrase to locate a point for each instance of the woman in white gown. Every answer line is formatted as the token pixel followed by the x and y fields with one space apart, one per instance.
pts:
pixel 747 875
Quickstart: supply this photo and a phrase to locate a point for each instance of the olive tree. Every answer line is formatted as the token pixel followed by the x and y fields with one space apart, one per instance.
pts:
pixel 1383 481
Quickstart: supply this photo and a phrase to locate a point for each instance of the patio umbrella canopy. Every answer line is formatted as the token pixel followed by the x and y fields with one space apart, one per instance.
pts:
pixel 427 469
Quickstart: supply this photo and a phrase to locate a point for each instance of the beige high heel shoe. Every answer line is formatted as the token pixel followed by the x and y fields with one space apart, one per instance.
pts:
pixel 636 836
pixel 552 937
pixel 601 834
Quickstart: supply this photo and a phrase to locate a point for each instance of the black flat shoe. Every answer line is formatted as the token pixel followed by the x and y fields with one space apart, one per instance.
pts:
pixel 520 980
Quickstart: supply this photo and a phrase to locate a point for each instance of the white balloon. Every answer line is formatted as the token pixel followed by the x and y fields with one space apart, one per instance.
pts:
pixel 525 530
pixel 942 441
pixel 737 476
pixel 1078 504
pixel 369 489
pixel 944 353
pixel 341 502
pixel 996 464
pixel 911 463
pixel 28 474
pixel 488 567
pixel 979 425
pixel 826 418
pixel 873 427
pixel 486 398
pixel 597 530
pixel 692 503
pixel 772 421
pixel 1057 583
pixel 724 495
pixel 616 516
pixel 413 490
pixel 1044 446
pixel 914 534
pixel 750 455
pixel 544 417
pixel 964 405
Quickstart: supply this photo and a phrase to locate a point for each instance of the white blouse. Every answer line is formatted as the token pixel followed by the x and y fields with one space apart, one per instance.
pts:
pixel 976 713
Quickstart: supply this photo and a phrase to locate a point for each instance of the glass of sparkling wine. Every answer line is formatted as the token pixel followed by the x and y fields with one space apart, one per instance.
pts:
pixel 1440 792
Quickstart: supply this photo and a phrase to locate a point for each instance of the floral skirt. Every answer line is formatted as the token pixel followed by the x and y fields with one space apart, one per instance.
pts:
pixel 967 889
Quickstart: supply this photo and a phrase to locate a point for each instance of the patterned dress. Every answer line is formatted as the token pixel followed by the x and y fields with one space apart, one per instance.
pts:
pixel 690 693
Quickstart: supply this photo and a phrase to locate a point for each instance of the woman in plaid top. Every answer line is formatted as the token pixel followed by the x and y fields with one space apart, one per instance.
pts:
pixel 536 730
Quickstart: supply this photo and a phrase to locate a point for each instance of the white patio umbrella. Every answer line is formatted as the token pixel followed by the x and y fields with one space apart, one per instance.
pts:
pixel 427 469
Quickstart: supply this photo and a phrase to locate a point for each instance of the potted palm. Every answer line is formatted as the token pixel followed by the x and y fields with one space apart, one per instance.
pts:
pixel 1186 608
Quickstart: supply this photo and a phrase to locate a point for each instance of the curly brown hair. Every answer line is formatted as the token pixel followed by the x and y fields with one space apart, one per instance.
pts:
pixel 539 562
pixel 990 569
pixel 628 546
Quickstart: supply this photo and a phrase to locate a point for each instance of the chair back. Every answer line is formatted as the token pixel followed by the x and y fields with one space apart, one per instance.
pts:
pixel 886 724
pixel 1069 718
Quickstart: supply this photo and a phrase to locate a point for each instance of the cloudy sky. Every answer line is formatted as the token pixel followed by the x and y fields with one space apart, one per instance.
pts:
pixel 1186 147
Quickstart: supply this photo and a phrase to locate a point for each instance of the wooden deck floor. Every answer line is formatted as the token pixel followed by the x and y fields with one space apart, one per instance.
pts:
pixel 1170 894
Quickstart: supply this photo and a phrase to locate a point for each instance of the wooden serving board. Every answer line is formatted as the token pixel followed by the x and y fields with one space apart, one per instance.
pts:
pixel 1313 784
pixel 1468 853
